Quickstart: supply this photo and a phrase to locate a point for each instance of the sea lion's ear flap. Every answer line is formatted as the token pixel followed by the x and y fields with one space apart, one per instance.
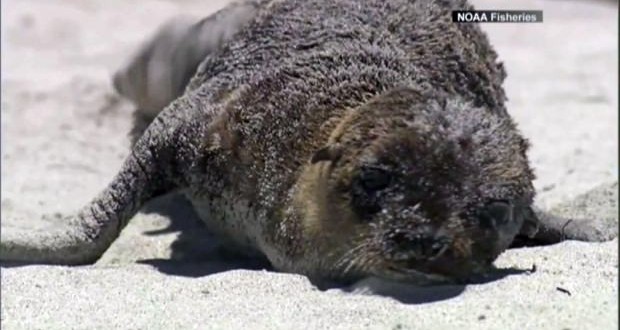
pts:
pixel 330 152
pixel 531 223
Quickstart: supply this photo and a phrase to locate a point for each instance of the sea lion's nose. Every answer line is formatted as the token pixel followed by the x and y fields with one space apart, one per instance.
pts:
pixel 499 218
pixel 426 243
pixel 496 215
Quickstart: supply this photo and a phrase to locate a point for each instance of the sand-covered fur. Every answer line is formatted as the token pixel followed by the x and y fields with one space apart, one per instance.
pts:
pixel 353 87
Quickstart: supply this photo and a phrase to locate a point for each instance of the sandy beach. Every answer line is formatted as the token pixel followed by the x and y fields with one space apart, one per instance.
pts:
pixel 64 136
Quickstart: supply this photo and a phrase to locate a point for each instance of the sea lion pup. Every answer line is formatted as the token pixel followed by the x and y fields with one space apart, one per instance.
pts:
pixel 340 139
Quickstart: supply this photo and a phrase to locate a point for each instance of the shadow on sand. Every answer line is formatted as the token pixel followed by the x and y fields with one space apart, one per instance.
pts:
pixel 195 252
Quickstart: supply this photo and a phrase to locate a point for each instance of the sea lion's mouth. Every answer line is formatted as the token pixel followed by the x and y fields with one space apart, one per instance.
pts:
pixel 451 273
pixel 414 276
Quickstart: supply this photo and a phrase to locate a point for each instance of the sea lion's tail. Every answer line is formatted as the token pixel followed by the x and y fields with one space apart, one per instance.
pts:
pixel 92 230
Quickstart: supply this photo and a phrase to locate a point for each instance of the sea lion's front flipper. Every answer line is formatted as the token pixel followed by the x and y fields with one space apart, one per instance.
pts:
pixel 592 216
pixel 146 173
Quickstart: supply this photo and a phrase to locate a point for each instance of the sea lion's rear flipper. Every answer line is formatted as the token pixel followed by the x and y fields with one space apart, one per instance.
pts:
pixel 162 67
pixel 592 217
pixel 146 173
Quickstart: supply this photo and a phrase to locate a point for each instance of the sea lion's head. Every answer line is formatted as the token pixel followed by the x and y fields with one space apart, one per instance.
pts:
pixel 415 187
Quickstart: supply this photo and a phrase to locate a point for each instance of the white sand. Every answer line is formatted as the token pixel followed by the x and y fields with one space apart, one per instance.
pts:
pixel 64 137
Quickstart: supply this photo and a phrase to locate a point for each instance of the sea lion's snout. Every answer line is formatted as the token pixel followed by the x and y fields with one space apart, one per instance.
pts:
pixel 425 243
pixel 496 215
pixel 500 218
pixel 434 251
pixel 456 247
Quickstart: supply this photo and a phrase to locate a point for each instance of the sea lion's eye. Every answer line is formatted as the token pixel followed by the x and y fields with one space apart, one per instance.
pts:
pixel 365 188
pixel 374 178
